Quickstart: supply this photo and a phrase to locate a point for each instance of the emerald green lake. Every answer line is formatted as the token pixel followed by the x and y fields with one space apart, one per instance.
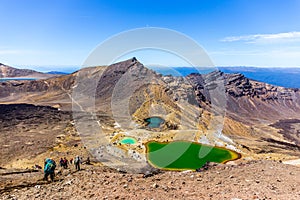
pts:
pixel 154 122
pixel 184 155
pixel 128 140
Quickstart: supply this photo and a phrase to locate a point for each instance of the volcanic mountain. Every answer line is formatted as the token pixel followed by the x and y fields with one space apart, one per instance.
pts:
pixel 257 119
pixel 11 72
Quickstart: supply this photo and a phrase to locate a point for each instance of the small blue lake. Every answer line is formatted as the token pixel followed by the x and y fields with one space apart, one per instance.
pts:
pixel 154 122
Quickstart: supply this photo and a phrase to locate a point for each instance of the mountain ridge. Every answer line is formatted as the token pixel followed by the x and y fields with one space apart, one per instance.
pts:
pixel 284 77
pixel 11 72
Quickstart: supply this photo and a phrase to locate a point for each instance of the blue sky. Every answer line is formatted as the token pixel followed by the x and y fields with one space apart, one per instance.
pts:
pixel 263 33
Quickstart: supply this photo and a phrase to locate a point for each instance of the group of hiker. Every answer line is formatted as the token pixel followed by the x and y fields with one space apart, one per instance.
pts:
pixel 64 162
pixel 50 165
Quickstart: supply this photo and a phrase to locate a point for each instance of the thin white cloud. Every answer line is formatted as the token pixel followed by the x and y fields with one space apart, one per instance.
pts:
pixel 279 57
pixel 265 38
pixel 282 52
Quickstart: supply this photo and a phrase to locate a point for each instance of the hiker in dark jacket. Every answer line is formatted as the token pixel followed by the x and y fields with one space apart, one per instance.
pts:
pixel 61 162
pixel 66 162
pixel 49 168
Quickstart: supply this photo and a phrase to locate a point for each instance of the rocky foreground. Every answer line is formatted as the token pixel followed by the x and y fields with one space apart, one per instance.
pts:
pixel 245 180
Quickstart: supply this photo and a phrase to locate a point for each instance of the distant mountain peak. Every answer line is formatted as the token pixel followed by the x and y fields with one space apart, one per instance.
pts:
pixel 130 61
pixel 11 72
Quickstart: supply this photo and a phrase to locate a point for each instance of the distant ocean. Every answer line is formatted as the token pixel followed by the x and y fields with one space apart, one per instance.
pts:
pixel 181 71
pixel 16 79
pixel 285 77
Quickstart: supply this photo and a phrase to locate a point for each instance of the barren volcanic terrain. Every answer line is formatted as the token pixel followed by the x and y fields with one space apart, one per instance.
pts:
pixel 247 180
pixel 89 112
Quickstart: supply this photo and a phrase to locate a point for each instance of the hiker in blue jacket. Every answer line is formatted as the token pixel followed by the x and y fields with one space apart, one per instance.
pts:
pixel 49 168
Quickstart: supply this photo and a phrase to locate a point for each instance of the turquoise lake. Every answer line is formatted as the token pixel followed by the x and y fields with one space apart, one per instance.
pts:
pixel 128 140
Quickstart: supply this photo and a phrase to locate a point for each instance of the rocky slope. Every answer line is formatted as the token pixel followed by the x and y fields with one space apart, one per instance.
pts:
pixel 28 131
pixel 247 180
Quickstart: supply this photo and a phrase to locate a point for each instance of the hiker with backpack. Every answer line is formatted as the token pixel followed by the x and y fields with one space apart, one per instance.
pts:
pixel 77 163
pixel 49 168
